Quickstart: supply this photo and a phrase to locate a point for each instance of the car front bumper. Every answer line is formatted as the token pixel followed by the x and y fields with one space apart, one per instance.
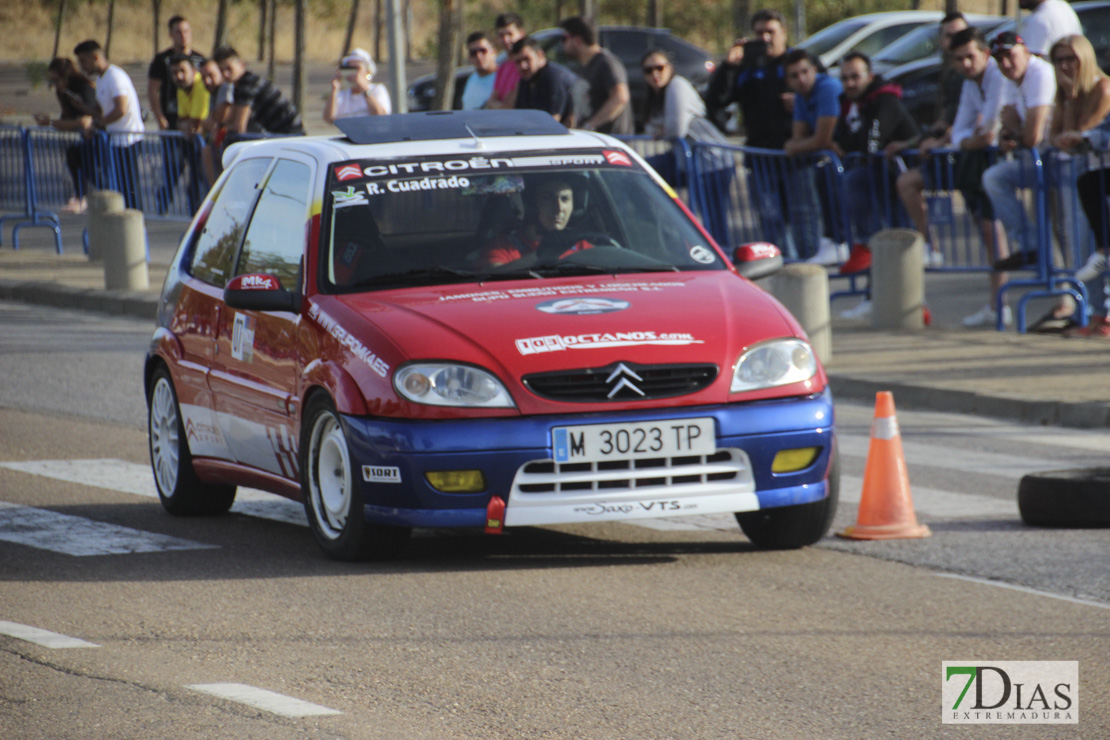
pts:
pixel 516 459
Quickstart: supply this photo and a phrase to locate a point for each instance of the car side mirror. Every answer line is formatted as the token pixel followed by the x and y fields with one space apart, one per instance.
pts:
pixel 259 292
pixel 757 260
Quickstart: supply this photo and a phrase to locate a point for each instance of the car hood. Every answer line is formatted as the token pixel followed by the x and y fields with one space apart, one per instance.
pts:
pixel 519 328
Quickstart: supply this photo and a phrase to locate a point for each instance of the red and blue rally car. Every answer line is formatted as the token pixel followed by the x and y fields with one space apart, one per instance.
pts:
pixel 478 319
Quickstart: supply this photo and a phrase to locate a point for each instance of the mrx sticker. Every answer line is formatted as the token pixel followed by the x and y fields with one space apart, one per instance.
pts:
pixel 242 338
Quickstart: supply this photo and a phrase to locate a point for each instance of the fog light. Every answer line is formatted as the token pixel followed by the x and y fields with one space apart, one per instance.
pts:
pixel 457 481
pixel 788 461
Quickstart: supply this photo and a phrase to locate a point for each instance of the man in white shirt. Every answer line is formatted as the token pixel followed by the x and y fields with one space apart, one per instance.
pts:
pixel 120 115
pixel 1028 97
pixel 479 84
pixel 1047 22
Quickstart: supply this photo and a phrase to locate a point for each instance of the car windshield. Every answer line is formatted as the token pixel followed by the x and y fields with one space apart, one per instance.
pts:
pixel 918 43
pixel 535 215
pixel 830 36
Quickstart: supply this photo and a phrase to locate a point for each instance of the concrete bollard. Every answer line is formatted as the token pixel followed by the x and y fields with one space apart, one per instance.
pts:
pixel 125 251
pixel 897 279
pixel 804 291
pixel 100 203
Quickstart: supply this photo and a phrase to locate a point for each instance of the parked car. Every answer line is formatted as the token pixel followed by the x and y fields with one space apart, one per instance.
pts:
pixel 922 43
pixel 320 337
pixel 629 43
pixel 919 79
pixel 868 33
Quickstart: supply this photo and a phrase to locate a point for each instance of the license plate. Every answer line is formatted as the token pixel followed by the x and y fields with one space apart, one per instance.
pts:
pixel 670 438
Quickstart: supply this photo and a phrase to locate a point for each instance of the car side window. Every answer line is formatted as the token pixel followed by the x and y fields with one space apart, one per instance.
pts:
pixel 276 235
pixel 879 40
pixel 223 230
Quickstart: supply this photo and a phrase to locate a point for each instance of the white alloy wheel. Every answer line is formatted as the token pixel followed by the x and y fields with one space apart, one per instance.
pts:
pixel 330 476
pixel 165 454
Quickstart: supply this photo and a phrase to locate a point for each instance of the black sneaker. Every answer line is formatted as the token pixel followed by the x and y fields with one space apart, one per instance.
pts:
pixel 1016 261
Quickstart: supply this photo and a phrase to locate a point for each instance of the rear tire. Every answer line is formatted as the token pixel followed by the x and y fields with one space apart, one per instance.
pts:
pixel 1079 497
pixel 182 493
pixel 791 527
pixel 332 495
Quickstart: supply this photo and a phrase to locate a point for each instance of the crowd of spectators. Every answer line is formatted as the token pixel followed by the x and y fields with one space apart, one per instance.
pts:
pixel 998 100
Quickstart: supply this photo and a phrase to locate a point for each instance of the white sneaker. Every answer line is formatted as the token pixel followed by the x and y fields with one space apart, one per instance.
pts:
pixel 859 311
pixel 828 252
pixel 932 258
pixel 1093 268
pixel 987 316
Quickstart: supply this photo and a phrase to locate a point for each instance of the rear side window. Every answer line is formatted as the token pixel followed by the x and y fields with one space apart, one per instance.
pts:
pixel 883 38
pixel 223 230
pixel 276 236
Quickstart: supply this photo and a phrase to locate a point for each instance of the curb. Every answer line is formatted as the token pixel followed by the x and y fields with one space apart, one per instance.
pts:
pixel 119 303
pixel 1084 415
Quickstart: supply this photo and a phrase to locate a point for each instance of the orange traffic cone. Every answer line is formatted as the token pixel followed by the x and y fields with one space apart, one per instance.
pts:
pixel 885 507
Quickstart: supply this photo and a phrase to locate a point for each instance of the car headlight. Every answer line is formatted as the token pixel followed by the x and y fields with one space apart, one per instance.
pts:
pixel 450 384
pixel 774 363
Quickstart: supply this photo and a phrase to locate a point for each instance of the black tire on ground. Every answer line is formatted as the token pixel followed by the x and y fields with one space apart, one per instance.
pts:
pixel 182 493
pixel 1079 497
pixel 332 495
pixel 791 527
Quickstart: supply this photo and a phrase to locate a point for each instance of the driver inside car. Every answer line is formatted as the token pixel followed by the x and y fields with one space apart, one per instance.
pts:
pixel 548 207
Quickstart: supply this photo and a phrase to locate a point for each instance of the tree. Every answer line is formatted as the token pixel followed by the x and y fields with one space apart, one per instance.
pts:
pixel 351 27
pixel 58 27
pixel 655 13
pixel 221 25
pixel 450 23
pixel 263 6
pixel 157 21
pixel 298 54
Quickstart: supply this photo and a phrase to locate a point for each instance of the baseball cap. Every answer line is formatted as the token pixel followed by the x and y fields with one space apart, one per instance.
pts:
pixel 1005 41
pixel 359 56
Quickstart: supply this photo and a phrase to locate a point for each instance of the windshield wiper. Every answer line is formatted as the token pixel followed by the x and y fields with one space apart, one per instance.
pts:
pixel 426 275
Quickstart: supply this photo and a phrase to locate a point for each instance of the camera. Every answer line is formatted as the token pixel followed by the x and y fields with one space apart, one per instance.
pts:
pixel 755 53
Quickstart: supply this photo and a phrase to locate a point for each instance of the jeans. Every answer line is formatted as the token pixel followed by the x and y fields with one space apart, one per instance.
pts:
pixel 1001 182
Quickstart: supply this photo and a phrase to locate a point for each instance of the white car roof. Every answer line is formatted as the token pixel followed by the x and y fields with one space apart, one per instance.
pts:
pixel 408 134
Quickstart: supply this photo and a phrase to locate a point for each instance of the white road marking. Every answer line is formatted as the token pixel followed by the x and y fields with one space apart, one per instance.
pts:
pixel 932 502
pixel 1024 589
pixel 78 536
pixel 46 638
pixel 268 701
pixel 953 458
pixel 127 477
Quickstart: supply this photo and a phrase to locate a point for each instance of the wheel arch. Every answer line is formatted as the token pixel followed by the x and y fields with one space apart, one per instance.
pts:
pixel 332 379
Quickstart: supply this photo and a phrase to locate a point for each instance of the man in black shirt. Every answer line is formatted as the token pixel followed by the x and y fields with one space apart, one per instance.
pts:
pixel 544 85
pixel 753 75
pixel 160 89
pixel 256 105
pixel 610 109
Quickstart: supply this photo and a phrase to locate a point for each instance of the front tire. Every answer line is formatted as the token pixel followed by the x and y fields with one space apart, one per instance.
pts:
pixel 332 498
pixel 182 493
pixel 791 527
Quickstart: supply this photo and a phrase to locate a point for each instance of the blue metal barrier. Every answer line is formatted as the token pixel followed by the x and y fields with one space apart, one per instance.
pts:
pixel 19 175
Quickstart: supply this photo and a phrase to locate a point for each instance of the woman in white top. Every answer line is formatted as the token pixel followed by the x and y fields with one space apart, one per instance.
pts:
pixel 674 110
pixel 363 97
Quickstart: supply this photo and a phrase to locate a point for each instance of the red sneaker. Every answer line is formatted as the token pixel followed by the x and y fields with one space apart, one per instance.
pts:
pixel 859 259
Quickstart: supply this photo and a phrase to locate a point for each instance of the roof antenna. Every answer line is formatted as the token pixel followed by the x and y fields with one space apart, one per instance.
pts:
pixel 478 143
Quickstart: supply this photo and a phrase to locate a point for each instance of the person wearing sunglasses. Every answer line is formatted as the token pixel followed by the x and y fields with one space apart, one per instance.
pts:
pixel 479 85
pixel 674 110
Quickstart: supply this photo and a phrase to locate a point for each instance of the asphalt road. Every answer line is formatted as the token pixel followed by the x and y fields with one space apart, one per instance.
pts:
pixel 604 631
